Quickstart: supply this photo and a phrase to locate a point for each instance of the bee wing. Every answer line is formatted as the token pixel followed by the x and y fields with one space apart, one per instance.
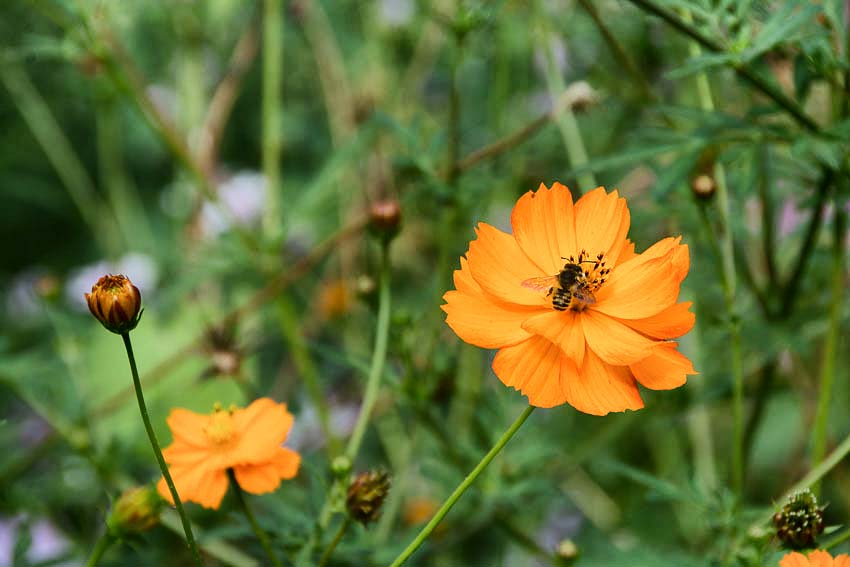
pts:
pixel 542 283
pixel 583 295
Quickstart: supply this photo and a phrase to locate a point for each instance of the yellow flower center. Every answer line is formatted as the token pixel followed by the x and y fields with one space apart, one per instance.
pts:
pixel 220 429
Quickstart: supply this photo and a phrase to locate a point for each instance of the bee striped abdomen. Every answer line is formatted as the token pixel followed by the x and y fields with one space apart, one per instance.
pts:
pixel 561 299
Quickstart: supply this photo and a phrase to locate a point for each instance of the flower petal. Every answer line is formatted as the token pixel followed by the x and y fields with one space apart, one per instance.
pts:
pixel 479 319
pixel 842 560
pixel 562 328
pixel 533 367
pixel 544 226
pixel 202 485
pixel 263 427
pixel 639 288
pixel 602 222
pixel 613 341
pixel 599 388
pixel 266 477
pixel 666 368
pixel 673 322
pixel 794 559
pixel 500 266
pixel 188 427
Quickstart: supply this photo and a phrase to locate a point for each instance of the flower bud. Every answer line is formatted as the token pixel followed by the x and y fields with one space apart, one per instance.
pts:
pixel 799 521
pixel 366 494
pixel 567 553
pixel 136 510
pixel 116 303
pixel 385 218
pixel 703 186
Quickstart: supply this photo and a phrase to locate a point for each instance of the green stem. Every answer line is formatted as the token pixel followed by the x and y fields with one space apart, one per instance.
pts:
pixel 836 540
pixel 137 384
pixel 757 80
pixel 272 64
pixel 337 489
pixel 726 249
pixel 379 356
pixel 830 351
pixel 326 556
pixel 453 146
pixel 570 132
pixel 293 333
pixel 792 285
pixel 814 475
pixel 261 535
pixel 105 541
pixel 467 482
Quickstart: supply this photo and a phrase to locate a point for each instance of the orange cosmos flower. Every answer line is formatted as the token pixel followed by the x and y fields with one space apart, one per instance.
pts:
pixel 578 317
pixel 246 440
pixel 816 558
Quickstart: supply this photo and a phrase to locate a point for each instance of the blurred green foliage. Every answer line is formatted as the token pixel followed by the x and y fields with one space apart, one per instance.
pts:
pixel 122 120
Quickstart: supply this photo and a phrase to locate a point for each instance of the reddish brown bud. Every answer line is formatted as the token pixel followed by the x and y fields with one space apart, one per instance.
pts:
pixel 116 303
pixel 366 494
pixel 385 217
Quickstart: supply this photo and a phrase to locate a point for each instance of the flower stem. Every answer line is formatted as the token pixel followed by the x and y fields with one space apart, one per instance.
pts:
pixel 830 351
pixel 326 556
pixel 376 369
pixel 105 541
pixel 379 355
pixel 272 61
pixel 261 535
pixel 570 132
pixel 726 249
pixel 137 384
pixel 467 482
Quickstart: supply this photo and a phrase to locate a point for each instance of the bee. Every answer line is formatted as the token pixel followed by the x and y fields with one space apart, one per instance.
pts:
pixel 571 282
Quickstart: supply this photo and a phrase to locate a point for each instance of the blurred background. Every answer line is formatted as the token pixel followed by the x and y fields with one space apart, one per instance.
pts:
pixel 225 154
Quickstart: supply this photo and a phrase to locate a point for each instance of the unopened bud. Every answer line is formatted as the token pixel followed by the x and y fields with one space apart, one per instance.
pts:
pixel 567 552
pixel 385 217
pixel 116 303
pixel 800 521
pixel 136 510
pixel 703 186
pixel 366 494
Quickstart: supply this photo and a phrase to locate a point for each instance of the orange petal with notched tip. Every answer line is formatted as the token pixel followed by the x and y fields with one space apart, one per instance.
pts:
pixel 602 222
pixel 666 368
pixel 500 266
pixel 483 323
pixel 562 328
pixel 614 342
pixel 533 367
pixel 640 288
pixel 673 322
pixel 794 559
pixel 544 226
pixel 599 388
pixel 478 318
pixel 266 477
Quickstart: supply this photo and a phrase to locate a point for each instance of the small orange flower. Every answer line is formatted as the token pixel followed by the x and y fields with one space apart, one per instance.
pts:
pixel 816 558
pixel 578 317
pixel 248 440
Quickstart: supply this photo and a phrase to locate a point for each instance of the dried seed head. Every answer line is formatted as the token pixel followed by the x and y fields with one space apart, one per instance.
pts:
pixel 366 494
pixel 800 520
pixel 116 303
